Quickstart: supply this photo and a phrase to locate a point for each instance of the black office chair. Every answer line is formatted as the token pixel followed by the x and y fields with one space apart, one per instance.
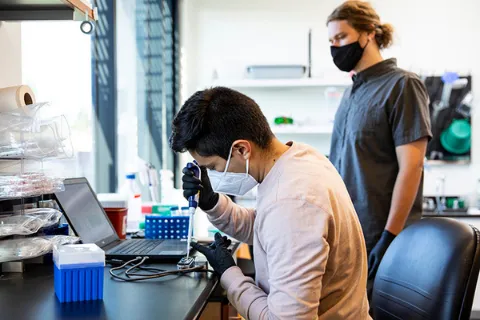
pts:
pixel 429 271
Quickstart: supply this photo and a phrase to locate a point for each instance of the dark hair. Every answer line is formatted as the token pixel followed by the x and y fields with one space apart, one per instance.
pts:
pixel 211 120
pixel 362 17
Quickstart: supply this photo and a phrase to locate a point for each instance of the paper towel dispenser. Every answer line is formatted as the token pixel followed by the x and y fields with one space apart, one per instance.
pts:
pixel 19 10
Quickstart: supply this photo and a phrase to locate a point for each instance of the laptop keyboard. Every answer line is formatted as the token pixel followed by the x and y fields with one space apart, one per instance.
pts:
pixel 136 247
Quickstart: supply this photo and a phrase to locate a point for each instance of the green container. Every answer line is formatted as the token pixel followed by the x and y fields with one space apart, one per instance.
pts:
pixel 457 138
pixel 283 120
pixel 162 209
pixel 451 200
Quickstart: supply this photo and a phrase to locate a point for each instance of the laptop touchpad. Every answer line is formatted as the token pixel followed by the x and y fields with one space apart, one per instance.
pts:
pixel 172 252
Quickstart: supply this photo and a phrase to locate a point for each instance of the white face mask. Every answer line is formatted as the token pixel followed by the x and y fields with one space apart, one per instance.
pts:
pixel 235 184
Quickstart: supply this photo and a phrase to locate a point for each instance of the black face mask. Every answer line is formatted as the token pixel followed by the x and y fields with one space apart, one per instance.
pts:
pixel 346 57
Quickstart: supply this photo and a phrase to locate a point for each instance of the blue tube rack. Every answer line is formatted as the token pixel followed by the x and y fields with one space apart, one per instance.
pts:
pixel 158 227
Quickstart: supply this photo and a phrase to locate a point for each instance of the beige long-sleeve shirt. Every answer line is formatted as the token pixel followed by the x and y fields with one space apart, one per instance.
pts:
pixel 309 250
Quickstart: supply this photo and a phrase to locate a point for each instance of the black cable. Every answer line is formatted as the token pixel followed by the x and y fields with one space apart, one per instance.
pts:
pixel 116 262
pixel 135 276
pixel 135 266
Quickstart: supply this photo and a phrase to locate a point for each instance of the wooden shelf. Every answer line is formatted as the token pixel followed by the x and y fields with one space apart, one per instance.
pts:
pixel 82 7
pixel 20 10
pixel 284 83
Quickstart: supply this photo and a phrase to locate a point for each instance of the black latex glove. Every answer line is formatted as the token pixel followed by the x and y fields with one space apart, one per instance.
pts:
pixel 378 252
pixel 217 254
pixel 191 185
pixel 225 242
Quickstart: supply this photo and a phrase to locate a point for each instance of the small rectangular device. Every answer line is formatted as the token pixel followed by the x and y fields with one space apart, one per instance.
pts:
pixel 186 263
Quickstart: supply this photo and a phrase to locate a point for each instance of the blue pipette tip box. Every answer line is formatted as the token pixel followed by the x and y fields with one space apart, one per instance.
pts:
pixel 158 227
pixel 78 272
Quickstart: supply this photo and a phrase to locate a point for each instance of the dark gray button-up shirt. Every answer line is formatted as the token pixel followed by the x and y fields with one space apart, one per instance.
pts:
pixel 386 107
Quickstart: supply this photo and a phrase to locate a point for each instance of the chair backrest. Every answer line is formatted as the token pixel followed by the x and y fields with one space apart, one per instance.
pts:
pixel 429 271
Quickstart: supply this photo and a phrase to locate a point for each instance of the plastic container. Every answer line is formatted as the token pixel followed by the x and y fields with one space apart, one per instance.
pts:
pixel 118 218
pixel 34 136
pixel 185 211
pixel 78 272
pixel 276 71
pixel 175 211
pixel 158 227
pixel 147 208
pixel 131 190
pixel 162 209
pixel 116 208
pixel 166 186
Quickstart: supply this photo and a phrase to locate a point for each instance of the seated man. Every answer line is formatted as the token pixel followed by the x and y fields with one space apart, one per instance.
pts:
pixel 309 250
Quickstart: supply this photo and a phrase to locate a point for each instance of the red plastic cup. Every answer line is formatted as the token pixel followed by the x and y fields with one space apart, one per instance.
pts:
pixel 118 218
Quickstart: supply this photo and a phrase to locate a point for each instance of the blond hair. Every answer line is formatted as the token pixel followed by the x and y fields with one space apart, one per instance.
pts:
pixel 362 17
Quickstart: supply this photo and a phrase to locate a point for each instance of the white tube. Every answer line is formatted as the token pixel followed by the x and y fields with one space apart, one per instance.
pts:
pixel 191 211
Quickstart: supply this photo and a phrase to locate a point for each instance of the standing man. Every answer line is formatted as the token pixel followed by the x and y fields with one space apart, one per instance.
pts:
pixel 310 256
pixel 381 129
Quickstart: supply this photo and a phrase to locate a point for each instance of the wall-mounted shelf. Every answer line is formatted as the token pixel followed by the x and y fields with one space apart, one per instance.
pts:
pixel 284 83
pixel 18 10
pixel 293 129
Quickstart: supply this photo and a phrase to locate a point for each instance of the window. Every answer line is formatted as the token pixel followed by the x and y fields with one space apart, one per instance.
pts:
pixel 147 82
pixel 56 64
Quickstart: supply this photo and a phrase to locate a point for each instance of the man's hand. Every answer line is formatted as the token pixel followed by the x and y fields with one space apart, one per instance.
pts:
pixel 378 252
pixel 191 185
pixel 217 254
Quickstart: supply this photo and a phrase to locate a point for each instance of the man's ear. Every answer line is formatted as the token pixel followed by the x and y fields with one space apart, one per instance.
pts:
pixel 242 148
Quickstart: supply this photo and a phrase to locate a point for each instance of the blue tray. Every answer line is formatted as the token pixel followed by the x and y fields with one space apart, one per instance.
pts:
pixel 158 227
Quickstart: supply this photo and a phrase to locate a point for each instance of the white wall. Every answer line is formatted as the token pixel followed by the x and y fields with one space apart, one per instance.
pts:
pixel 431 36
pixel 10 54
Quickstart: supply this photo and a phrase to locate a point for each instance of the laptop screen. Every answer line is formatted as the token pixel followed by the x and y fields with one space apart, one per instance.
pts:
pixel 84 213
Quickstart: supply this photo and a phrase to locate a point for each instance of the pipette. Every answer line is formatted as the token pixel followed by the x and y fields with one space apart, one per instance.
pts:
pixel 149 177
pixel 192 202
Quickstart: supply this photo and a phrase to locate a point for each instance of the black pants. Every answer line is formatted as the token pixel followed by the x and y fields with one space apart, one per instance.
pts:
pixel 370 292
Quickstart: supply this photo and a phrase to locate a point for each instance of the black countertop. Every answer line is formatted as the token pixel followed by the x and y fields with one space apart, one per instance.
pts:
pixel 31 295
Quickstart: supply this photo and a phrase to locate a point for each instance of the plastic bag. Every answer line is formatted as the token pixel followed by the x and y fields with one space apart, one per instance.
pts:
pixel 27 248
pixel 28 223
pixel 29 184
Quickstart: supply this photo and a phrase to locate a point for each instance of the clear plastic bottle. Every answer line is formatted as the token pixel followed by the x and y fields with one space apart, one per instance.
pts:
pixel 175 211
pixel 132 191
pixel 166 186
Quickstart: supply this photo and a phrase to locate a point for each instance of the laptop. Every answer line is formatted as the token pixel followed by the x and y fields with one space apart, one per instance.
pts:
pixel 87 218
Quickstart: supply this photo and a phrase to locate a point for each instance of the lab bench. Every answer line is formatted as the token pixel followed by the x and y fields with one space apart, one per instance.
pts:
pixel 31 295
